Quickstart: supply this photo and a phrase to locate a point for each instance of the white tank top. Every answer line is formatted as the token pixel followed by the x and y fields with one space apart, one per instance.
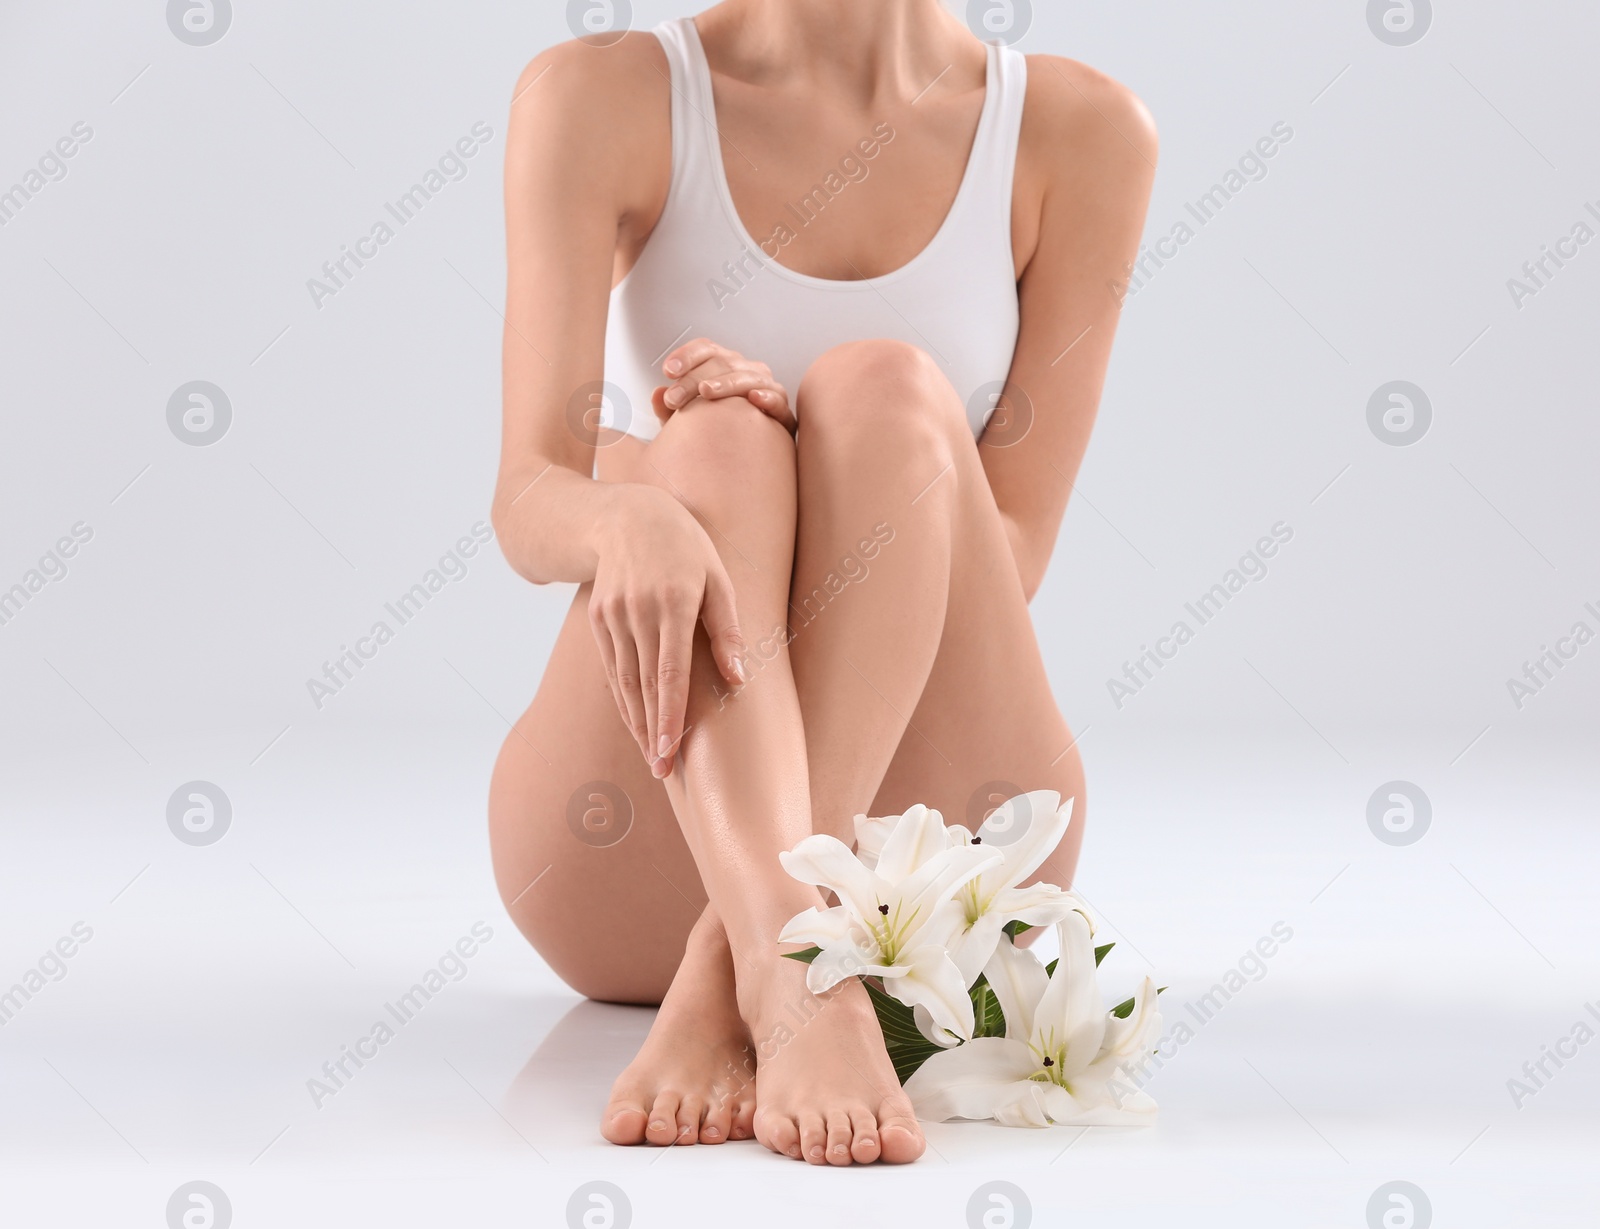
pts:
pixel 702 274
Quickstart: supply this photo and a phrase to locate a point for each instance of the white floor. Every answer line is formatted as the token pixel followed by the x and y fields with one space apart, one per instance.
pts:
pixel 1376 1046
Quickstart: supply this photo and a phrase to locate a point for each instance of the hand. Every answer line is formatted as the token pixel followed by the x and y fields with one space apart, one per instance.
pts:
pixel 701 368
pixel 658 575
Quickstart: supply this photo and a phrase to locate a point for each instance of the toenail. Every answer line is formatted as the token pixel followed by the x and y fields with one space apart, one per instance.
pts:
pixel 658 1126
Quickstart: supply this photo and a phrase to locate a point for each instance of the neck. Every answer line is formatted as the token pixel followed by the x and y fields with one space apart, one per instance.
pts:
pixel 866 49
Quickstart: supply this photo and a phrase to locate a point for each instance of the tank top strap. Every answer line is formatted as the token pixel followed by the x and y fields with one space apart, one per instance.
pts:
pixel 994 152
pixel 694 127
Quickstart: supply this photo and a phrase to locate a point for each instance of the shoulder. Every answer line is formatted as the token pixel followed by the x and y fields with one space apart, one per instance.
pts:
pixel 600 109
pixel 1077 116
pixel 589 88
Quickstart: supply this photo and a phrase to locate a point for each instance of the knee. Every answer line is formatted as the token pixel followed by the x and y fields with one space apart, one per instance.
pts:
pixel 724 455
pixel 866 397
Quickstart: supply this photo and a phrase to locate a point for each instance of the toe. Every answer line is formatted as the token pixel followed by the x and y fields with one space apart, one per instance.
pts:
pixel 663 1125
pixel 839 1135
pixel 743 1124
pixel 718 1119
pixel 813 1138
pixel 624 1117
pixel 778 1132
pixel 899 1135
pixel 691 1112
pixel 864 1147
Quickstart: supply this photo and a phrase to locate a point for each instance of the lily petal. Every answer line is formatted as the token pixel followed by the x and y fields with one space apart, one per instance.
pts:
pixel 938 878
pixel 871 833
pixel 820 926
pixel 913 839
pixel 827 862
pixel 834 964
pixel 1018 980
pixel 1097 1103
pixel 972 947
pixel 931 980
pixel 978 1080
pixel 1038 904
pixel 1027 829
pixel 1070 1017
pixel 1132 1039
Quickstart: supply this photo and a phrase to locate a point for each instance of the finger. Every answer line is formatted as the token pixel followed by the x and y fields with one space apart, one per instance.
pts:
pixel 687 386
pixel 691 354
pixel 608 656
pixel 646 640
pixel 720 614
pixel 658 403
pixel 672 685
pixel 775 405
pixel 735 382
pixel 627 657
pixel 758 387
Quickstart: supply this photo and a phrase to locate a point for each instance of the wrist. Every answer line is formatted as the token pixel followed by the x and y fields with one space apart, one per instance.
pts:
pixel 627 506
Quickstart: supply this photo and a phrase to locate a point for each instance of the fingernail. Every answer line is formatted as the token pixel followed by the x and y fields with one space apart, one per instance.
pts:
pixel 740 670
pixel 673 397
pixel 714 385
pixel 663 746
pixel 674 366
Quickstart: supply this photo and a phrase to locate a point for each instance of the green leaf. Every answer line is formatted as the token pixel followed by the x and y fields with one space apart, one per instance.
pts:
pixel 988 1019
pixel 1015 928
pixel 908 1048
pixel 1099 955
pixel 806 956
pixel 1124 1009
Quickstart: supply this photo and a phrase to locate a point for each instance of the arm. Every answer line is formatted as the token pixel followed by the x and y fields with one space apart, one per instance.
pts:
pixel 588 151
pixel 1084 172
pixel 570 189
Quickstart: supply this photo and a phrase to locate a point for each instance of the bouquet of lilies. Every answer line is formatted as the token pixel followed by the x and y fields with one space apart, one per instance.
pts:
pixel 976 1026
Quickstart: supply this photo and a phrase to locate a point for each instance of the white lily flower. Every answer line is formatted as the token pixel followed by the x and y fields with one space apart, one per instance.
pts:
pixel 1025 830
pixel 895 920
pixel 1064 1058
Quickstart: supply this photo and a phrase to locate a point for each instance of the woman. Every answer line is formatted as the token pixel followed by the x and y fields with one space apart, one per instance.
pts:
pixel 804 242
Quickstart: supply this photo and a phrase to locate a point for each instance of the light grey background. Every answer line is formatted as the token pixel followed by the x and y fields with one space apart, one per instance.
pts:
pixel 1228 792
pixel 1377 248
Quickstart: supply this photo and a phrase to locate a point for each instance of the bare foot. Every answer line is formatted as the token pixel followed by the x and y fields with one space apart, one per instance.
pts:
pixel 826 1091
pixel 693 1080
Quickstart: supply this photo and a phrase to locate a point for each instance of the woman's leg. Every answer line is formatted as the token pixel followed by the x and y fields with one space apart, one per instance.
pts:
pixel 927 615
pixel 740 794
pixel 594 870
pixel 919 674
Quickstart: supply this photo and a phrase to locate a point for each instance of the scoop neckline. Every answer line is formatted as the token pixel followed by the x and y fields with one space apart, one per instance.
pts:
pixel 702 68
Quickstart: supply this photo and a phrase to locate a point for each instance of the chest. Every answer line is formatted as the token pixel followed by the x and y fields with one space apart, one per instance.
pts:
pixel 842 192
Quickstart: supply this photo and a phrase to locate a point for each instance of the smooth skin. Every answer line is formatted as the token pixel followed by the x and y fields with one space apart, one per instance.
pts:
pixel 775 630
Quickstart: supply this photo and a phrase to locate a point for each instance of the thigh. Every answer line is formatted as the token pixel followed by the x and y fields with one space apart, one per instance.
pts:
pixel 588 855
pixel 987 725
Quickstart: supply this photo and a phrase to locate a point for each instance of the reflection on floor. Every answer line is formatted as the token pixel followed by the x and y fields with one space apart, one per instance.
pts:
pixel 204 1033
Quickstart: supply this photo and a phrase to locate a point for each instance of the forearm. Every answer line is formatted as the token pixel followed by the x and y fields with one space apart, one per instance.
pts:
pixel 553 523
